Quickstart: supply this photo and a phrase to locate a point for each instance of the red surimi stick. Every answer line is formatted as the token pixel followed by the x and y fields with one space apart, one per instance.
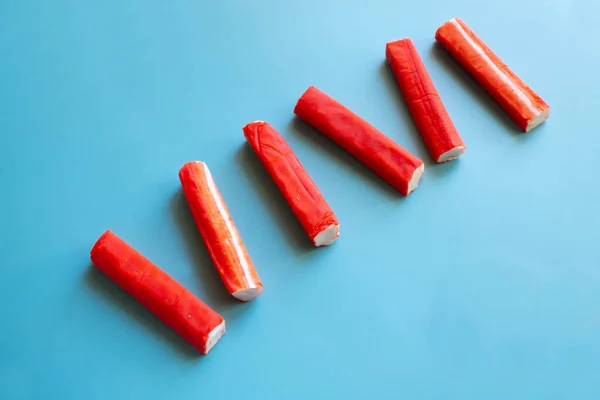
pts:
pixel 423 101
pixel 378 152
pixel 521 103
pixel 299 190
pixel 158 292
pixel 218 232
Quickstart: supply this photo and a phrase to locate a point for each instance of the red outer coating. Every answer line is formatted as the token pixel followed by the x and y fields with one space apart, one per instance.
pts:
pixel 423 101
pixel 520 102
pixel 155 289
pixel 359 138
pixel 219 232
pixel 291 178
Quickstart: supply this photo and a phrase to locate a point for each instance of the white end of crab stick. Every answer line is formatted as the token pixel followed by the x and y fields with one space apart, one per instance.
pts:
pixel 214 336
pixel 248 294
pixel 541 117
pixel 417 175
pixel 327 236
pixel 451 154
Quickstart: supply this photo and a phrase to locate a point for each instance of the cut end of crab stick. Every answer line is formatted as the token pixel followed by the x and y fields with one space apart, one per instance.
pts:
pixel 541 117
pixel 327 236
pixel 452 154
pixel 213 337
pixel 416 178
pixel 248 294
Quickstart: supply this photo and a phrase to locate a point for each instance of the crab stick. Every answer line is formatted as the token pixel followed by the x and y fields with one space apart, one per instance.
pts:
pixel 521 103
pixel 218 232
pixel 299 190
pixel 362 140
pixel 158 292
pixel 423 101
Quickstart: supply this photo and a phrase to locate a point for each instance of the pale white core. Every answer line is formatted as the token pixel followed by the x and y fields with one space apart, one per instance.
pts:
pixel 414 182
pixel 538 120
pixel 214 336
pixel 327 236
pixel 451 154
pixel 248 294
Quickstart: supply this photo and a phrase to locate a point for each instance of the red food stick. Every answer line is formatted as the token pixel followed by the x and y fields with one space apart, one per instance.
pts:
pixel 521 103
pixel 219 232
pixel 158 292
pixel 423 101
pixel 299 190
pixel 378 152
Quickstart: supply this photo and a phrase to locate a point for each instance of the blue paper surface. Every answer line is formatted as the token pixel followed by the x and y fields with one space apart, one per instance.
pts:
pixel 482 284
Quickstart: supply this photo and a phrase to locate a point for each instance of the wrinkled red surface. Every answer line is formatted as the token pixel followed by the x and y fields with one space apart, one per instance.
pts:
pixel 297 187
pixel 359 138
pixel 421 97
pixel 520 102
pixel 155 289
pixel 218 231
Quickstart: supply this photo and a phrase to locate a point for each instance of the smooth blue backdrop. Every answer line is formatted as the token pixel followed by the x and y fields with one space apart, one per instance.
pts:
pixel 482 284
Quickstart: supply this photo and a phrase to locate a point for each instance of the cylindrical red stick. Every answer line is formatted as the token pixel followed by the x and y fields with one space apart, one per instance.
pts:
pixel 423 101
pixel 378 152
pixel 219 232
pixel 299 190
pixel 523 105
pixel 158 292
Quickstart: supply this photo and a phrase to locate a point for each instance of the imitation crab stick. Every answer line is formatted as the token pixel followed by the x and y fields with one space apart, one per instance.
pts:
pixel 521 103
pixel 299 190
pixel 362 140
pixel 423 101
pixel 158 292
pixel 218 232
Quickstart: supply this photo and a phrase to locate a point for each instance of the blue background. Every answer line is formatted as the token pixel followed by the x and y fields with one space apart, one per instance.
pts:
pixel 482 284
